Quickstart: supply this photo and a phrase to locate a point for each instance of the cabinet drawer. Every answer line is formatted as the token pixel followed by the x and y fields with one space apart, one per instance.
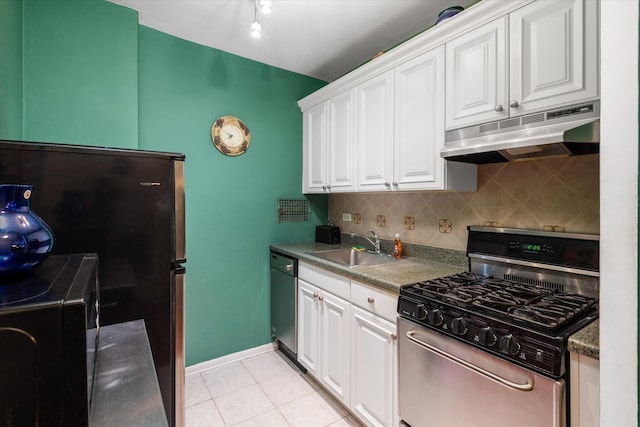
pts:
pixel 377 301
pixel 330 282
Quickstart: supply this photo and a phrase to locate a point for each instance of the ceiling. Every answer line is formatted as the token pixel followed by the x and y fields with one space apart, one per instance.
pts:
pixel 318 38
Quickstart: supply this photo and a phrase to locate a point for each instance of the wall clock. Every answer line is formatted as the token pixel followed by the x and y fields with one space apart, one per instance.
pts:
pixel 230 135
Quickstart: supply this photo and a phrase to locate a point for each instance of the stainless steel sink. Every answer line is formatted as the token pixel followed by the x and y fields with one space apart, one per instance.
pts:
pixel 352 258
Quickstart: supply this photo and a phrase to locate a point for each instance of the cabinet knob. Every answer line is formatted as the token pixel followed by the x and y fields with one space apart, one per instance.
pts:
pixel 328 187
pixel 370 300
pixel 324 187
pixel 320 298
pixel 499 108
pixel 387 184
pixel 395 184
pixel 315 296
pixel 514 104
pixel 394 337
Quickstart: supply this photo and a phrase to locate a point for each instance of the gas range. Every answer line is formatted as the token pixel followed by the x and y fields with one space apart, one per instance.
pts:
pixel 526 293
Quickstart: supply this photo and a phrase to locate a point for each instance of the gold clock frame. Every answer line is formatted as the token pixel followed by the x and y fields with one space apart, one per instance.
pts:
pixel 229 150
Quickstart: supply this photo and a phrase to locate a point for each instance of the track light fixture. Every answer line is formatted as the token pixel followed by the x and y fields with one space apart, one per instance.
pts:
pixel 265 7
pixel 256 28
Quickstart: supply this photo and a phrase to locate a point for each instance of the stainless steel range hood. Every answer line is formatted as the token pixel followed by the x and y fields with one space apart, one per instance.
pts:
pixel 556 133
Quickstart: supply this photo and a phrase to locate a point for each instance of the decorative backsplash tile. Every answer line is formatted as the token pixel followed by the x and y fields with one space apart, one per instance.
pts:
pixel 409 223
pixel 445 225
pixel 559 192
pixel 381 221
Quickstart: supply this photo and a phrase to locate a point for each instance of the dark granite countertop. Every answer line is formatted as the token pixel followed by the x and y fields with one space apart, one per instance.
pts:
pixel 421 263
pixel 587 341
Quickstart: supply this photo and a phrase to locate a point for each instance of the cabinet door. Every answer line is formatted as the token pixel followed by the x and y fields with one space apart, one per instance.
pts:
pixel 308 326
pixel 335 346
pixel 375 133
pixel 419 122
pixel 373 369
pixel 314 151
pixel 342 143
pixel 585 391
pixel 553 58
pixel 477 76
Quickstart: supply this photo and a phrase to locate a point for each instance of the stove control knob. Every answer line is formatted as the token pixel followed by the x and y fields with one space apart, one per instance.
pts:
pixel 421 312
pixel 487 337
pixel 435 317
pixel 458 326
pixel 509 345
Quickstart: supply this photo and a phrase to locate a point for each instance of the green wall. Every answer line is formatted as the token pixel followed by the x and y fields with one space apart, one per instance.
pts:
pixel 101 79
pixel 80 73
pixel 11 69
pixel 231 215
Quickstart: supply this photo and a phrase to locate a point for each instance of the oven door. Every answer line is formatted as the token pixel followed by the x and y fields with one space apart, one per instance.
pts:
pixel 447 383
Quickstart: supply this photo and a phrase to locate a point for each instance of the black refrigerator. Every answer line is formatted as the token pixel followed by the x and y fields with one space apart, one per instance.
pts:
pixel 127 206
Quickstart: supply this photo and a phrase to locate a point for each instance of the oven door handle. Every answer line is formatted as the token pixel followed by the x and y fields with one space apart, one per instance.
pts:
pixel 520 387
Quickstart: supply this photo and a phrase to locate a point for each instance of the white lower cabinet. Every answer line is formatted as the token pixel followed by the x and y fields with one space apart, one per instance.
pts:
pixel 373 368
pixel 348 343
pixel 585 391
pixel 308 327
pixel 334 371
pixel 323 338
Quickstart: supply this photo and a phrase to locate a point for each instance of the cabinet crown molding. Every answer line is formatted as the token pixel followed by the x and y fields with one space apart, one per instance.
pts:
pixel 473 17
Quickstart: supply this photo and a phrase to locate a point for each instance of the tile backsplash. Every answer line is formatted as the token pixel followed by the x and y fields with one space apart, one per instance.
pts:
pixel 559 194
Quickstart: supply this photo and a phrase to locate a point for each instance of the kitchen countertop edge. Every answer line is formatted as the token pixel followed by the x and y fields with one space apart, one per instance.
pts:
pixel 586 341
pixel 388 276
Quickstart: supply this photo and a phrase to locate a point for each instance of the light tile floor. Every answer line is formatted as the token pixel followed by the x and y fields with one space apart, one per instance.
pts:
pixel 266 391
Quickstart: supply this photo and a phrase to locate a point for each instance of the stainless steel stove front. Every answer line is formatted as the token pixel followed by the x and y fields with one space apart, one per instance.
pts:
pixel 447 383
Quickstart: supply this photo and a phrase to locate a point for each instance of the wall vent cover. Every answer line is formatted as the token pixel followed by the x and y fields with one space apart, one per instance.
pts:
pixel 291 209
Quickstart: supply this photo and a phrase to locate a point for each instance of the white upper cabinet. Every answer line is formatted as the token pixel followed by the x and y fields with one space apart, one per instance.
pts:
pixel 342 143
pixel 314 150
pixel 381 126
pixel 375 133
pixel 401 130
pixel 540 56
pixel 329 145
pixel 419 122
pixel 553 56
pixel 477 76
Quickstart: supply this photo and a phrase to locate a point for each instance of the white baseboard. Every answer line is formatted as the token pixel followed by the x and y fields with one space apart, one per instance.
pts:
pixel 228 359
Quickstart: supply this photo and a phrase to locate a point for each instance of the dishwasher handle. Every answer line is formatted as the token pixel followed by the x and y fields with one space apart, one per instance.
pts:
pixel 284 264
pixel 411 335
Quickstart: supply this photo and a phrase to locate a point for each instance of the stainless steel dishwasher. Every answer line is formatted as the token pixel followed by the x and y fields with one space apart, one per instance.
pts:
pixel 284 307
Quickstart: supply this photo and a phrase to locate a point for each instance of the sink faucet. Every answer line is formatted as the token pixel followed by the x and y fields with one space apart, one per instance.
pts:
pixel 375 243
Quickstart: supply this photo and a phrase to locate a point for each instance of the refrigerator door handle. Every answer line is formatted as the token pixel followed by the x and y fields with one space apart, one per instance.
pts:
pixel 179 211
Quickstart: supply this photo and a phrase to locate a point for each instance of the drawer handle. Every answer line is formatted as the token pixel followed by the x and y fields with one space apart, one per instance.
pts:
pixel 370 300
pixel 527 386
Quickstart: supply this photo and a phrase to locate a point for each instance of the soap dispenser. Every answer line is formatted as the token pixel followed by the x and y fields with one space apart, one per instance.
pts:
pixel 397 247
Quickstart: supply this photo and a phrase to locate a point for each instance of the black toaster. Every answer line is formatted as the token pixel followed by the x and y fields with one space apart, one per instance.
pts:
pixel 329 234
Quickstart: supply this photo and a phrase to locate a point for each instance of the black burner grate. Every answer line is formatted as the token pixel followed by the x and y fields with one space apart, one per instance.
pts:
pixel 546 308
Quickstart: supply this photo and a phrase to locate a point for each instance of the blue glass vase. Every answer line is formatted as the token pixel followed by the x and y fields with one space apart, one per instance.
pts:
pixel 25 239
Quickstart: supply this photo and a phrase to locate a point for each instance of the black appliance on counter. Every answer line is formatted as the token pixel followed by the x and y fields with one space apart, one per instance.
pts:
pixel 127 206
pixel 329 234
pixel 496 337
pixel 49 328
